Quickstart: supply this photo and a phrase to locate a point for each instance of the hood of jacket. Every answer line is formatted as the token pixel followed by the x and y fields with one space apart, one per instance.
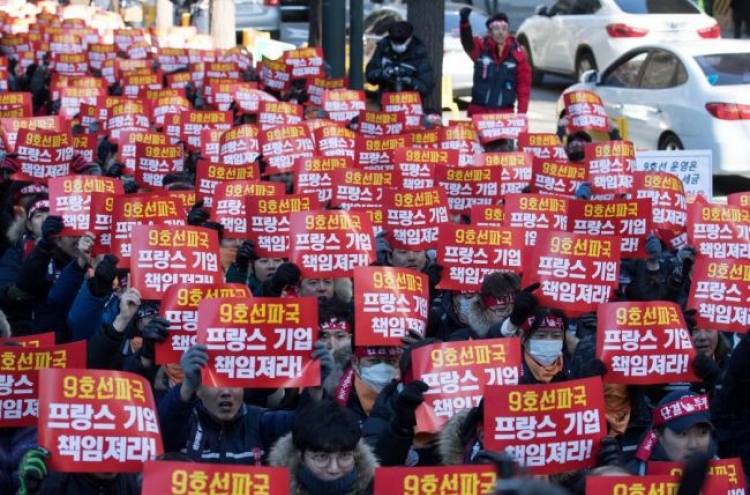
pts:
pixel 450 445
pixel 285 454
pixel 478 319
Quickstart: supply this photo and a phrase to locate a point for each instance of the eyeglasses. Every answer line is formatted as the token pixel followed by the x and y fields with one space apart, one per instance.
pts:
pixel 323 459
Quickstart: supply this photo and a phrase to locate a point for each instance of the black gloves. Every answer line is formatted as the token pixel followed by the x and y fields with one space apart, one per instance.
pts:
pixel 285 275
pixel 434 273
pixel 586 324
pixel 609 455
pixel 157 330
pixel 407 402
pixel 197 214
pixel 100 285
pixel 245 254
pixel 592 368
pixel 707 370
pixel 51 228
pixel 114 170
pixel 524 305
pixel 465 13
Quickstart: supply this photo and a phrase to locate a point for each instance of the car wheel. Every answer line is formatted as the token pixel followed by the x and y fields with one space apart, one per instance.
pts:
pixel 670 142
pixel 536 74
pixel 584 62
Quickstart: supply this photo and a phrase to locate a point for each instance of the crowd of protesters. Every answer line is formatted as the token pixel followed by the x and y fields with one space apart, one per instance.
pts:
pixel 364 412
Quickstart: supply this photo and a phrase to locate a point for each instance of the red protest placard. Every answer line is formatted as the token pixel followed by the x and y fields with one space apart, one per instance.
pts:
pixel 165 255
pixel 313 174
pixel 548 429
pixel 43 154
pixel 330 243
pixel 388 303
pixel 356 189
pixel 131 115
pixel 516 169
pixel 486 216
pixel 275 113
pixel 38 340
pixel 469 186
pixel 343 105
pixel 71 197
pixel 204 479
pixel 141 209
pixel 269 221
pixel 719 290
pixel 468 253
pixel 727 470
pixel 248 97
pixel 208 175
pixel 126 151
pixel 10 101
pixel 422 161
pixel 644 343
pixel 610 168
pixel 193 122
pixel 577 272
pixel 494 126
pixel 228 203
pixel 97 421
pixel 719 231
pixel 542 145
pixel 240 147
pixel 459 372
pixel 408 102
pixel 741 199
pixel 275 75
pixel 164 105
pixel 462 138
pixel 434 480
pixel 265 342
pixel 535 213
pixel 556 177
pixel 305 62
pixel 180 306
pixel 628 219
pixel 622 485
pixel 668 201
pixel 413 218
pixel 10 126
pixel 86 145
pixel 374 123
pixel 316 86
pixel 19 377
pixel 281 146
pixel 585 112
pixel 335 140
pixel 376 152
pixel 154 161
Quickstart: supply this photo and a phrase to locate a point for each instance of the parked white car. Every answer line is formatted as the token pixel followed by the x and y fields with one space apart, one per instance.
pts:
pixel 685 95
pixel 573 36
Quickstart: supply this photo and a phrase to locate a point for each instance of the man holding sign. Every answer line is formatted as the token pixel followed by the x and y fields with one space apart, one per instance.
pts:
pixel 214 423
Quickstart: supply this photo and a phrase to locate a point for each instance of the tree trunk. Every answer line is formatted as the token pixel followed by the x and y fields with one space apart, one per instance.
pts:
pixel 222 23
pixel 315 32
pixel 428 18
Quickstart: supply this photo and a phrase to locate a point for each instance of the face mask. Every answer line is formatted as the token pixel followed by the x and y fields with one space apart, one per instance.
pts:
pixel 378 375
pixel 464 307
pixel 544 352
pixel 398 48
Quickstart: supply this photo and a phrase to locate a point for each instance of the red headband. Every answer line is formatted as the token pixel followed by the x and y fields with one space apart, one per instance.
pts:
pixel 492 301
pixel 361 352
pixel 39 205
pixel 685 406
pixel 549 321
pixel 333 325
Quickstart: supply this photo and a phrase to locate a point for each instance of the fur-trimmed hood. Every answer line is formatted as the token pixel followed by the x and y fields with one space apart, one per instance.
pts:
pixel 478 318
pixel 285 454
pixel 450 446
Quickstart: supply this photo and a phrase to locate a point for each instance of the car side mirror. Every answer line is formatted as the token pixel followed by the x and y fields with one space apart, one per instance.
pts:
pixel 541 10
pixel 591 77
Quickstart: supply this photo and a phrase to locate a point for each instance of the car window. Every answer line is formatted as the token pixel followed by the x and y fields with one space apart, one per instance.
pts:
pixel 657 6
pixel 585 7
pixel 625 75
pixel 661 71
pixel 725 69
pixel 561 7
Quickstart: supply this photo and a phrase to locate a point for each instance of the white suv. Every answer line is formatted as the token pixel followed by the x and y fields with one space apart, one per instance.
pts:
pixel 573 36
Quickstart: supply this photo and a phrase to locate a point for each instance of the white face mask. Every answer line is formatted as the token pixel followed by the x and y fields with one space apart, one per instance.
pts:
pixel 399 48
pixel 544 351
pixel 378 375
pixel 464 307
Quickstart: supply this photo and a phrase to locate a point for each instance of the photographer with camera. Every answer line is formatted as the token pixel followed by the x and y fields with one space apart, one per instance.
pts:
pixel 400 62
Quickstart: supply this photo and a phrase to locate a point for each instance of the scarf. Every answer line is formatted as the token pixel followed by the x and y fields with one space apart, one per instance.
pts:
pixel 617 407
pixel 317 486
pixel 543 374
